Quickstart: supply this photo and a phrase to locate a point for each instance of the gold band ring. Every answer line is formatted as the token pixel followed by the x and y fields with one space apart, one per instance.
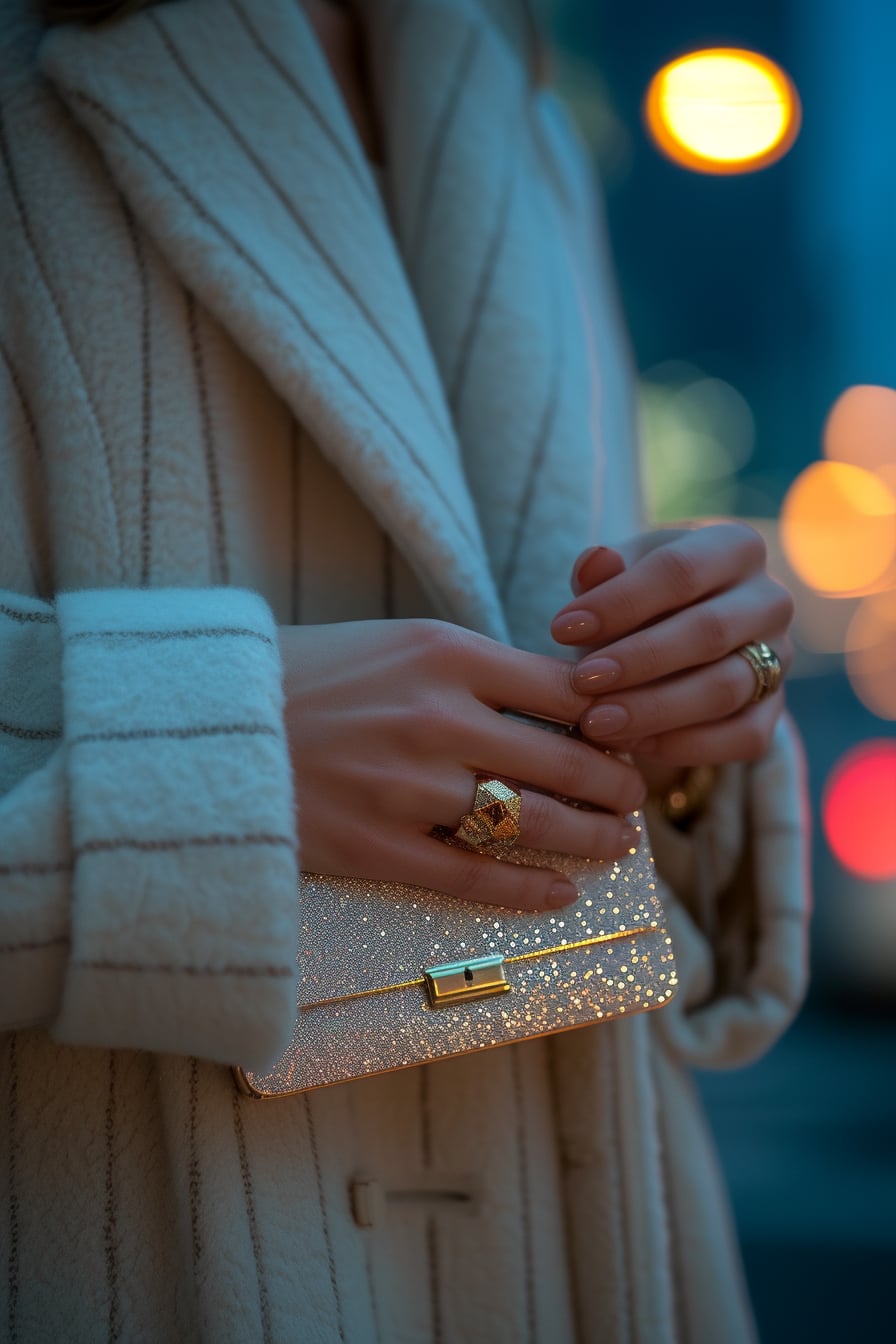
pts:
pixel 766 667
pixel 495 817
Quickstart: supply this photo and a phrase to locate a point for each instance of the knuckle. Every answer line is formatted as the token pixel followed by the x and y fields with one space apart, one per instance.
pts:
pixel 729 690
pixel 435 640
pixel 682 574
pixel 536 818
pixel 572 768
pixel 645 660
pixel 714 632
pixel 783 606
pixel 469 878
pixel 750 541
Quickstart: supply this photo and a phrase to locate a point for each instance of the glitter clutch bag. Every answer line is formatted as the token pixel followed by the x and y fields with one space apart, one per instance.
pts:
pixel 392 975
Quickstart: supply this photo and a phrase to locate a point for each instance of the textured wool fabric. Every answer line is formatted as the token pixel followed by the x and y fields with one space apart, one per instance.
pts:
pixel 241 388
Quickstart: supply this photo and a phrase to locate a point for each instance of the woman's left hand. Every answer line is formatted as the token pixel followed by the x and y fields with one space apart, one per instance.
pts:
pixel 663 617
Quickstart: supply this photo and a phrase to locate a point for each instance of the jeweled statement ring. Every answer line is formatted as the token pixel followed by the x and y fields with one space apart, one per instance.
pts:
pixel 766 667
pixel 495 816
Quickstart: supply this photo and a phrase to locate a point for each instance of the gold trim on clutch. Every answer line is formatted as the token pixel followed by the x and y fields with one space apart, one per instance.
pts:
pixel 437 999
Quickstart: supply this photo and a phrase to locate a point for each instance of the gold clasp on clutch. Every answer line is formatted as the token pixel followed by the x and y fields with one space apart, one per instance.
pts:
pixel 465 980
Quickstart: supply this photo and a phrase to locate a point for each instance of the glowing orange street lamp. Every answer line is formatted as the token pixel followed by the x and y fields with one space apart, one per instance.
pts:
pixel 723 110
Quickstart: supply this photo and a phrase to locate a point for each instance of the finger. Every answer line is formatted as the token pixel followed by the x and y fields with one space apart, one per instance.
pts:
pixel 553 763
pixel 468 875
pixel 694 566
pixel 546 823
pixel 744 737
pixel 702 695
pixel 595 566
pixel 551 824
pixel 701 634
pixel 505 678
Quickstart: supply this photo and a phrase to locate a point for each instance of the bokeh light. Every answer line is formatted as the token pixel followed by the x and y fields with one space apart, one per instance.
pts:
pixel 861 429
pixel 871 654
pixel 859 810
pixel 838 527
pixel 697 432
pixel 722 110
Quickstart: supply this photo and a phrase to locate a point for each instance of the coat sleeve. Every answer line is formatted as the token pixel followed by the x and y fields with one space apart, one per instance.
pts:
pixel 148 874
pixel 737 896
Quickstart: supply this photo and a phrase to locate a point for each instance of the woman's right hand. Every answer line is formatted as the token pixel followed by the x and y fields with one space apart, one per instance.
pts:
pixel 389 724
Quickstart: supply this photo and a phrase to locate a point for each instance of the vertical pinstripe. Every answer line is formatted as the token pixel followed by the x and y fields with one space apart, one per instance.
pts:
pixel 12 1262
pixel 352 159
pixel 435 1286
pixel 483 286
pixel 539 454
pixel 264 1304
pixel 295 540
pixel 432 1230
pixel 345 369
pixel 31 243
pixel 326 254
pixel 27 413
pixel 31 425
pixel 388 577
pixel 325 1221
pixel 145 399
pixel 371 1289
pixel 677 1277
pixel 525 1199
pixel 110 1213
pixel 222 565
pixel 437 149
pixel 194 1172
pixel 611 1071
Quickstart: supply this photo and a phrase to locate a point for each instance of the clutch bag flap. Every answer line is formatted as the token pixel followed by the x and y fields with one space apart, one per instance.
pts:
pixel 394 975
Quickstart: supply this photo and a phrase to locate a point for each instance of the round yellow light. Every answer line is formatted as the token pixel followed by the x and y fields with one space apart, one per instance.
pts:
pixel 723 110
pixel 838 527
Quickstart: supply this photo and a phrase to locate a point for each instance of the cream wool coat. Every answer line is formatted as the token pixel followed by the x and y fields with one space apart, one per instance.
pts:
pixel 239 388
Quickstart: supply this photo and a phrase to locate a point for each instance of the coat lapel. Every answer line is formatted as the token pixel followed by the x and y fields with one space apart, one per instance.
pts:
pixel 223 128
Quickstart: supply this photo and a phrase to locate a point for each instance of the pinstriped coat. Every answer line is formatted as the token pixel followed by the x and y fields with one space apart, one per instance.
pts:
pixel 244 383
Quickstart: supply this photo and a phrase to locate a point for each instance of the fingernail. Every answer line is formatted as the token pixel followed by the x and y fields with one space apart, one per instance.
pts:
pixel 583 559
pixel 630 837
pixel 604 721
pixel 595 675
pixel 576 626
pixel 561 893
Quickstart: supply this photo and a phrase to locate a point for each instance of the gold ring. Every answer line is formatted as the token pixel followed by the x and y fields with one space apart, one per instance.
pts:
pixel 495 817
pixel 766 667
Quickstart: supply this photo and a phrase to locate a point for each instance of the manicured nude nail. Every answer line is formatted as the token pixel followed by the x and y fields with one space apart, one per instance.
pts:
pixel 605 721
pixel 561 893
pixel 591 553
pixel 575 626
pixel 595 675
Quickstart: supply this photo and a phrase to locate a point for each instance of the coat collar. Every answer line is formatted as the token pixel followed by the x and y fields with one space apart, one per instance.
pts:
pixel 224 129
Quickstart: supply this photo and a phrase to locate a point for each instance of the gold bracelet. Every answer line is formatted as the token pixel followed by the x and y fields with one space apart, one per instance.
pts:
pixel 686 800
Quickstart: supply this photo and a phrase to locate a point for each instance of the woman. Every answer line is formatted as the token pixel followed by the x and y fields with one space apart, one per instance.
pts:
pixel 295 363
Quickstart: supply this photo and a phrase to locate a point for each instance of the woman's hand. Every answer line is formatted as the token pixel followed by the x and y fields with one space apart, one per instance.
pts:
pixel 389 723
pixel 663 617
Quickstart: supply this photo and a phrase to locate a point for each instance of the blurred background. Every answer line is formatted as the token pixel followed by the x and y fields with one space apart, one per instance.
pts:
pixel 752 206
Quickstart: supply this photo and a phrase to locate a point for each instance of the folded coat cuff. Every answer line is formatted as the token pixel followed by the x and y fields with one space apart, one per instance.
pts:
pixel 185 909
pixel 737 894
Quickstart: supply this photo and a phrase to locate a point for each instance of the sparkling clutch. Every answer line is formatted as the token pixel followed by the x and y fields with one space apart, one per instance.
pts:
pixel 395 975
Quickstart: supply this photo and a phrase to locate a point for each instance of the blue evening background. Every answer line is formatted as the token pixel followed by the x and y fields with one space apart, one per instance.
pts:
pixel 754 301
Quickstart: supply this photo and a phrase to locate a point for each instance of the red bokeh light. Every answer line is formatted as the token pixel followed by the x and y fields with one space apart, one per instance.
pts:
pixel 859 810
